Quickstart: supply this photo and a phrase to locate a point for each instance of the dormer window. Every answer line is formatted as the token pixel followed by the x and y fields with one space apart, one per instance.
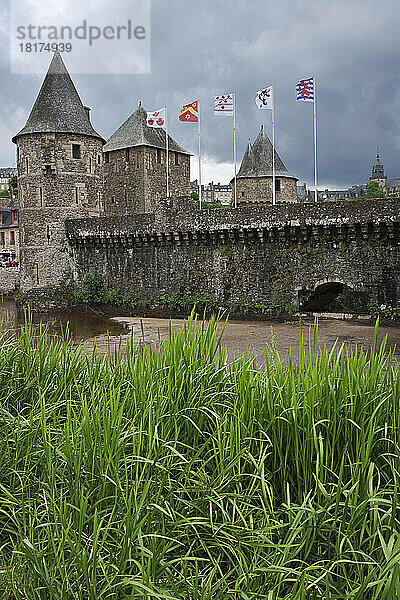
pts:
pixel 14 217
pixel 76 151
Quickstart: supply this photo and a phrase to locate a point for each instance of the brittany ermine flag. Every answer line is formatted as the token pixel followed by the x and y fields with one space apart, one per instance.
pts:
pixel 156 118
pixel 223 105
pixel 305 90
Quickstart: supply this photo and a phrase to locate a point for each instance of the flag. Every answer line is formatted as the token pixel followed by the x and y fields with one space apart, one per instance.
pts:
pixel 189 113
pixel 305 90
pixel 264 98
pixel 223 105
pixel 156 118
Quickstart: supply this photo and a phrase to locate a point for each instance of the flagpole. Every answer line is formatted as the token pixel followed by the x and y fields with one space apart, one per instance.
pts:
pixel 199 159
pixel 234 145
pixel 167 147
pixel 315 139
pixel 273 147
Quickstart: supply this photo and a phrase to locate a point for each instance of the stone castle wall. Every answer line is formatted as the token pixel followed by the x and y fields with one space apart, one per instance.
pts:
pixel 135 179
pixel 9 279
pixel 259 189
pixel 258 255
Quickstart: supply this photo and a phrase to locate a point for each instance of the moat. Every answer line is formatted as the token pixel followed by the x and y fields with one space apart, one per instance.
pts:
pixel 95 329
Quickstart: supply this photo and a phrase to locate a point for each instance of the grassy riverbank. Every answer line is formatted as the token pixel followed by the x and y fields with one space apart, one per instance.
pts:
pixel 174 475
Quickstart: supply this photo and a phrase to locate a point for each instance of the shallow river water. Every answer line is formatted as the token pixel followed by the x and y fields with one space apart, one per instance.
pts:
pixel 94 328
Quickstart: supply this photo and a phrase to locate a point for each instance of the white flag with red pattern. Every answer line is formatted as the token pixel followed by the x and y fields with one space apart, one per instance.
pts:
pixel 156 118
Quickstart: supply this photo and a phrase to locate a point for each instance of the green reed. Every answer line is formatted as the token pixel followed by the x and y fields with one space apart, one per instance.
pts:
pixel 173 474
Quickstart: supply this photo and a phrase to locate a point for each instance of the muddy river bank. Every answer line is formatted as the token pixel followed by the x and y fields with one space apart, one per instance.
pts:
pixel 95 329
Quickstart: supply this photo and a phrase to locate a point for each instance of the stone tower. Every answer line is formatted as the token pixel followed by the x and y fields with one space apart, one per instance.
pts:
pixel 60 176
pixel 378 172
pixel 135 167
pixel 254 179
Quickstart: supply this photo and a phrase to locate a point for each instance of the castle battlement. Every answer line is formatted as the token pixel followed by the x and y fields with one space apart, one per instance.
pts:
pixel 324 222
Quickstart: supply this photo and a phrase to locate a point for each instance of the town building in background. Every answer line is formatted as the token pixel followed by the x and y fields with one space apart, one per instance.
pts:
pixel 9 235
pixel 213 192
pixel 393 186
pixel 5 175
pixel 307 195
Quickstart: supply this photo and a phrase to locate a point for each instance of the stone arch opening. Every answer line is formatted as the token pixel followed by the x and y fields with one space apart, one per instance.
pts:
pixel 331 296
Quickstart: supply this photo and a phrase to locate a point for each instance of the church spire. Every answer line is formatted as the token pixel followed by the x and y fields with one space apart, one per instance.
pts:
pixel 378 171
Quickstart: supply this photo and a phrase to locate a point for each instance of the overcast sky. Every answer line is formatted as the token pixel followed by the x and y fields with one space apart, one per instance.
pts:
pixel 203 48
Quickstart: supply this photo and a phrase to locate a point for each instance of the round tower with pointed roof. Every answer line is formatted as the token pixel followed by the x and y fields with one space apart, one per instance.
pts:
pixel 135 167
pixel 254 179
pixel 60 176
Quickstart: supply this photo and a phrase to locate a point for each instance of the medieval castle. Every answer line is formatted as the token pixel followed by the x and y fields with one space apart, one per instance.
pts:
pixel 91 206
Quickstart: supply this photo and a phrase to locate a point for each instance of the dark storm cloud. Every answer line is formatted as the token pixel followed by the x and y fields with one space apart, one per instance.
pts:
pixel 204 48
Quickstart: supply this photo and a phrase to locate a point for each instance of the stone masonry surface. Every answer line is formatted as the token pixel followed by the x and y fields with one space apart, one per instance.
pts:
pixel 253 254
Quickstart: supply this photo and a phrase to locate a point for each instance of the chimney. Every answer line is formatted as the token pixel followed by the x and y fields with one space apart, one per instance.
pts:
pixel 87 109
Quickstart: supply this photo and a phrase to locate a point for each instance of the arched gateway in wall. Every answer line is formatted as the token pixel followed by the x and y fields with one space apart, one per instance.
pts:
pixel 332 295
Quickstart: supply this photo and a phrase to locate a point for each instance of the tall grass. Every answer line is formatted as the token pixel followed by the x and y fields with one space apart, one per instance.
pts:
pixel 173 474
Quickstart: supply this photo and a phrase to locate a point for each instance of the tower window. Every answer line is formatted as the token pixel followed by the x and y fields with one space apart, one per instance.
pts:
pixel 158 155
pixel 99 159
pixel 76 151
pixel 27 164
pixel 277 185
pixel 77 196
pixel 48 170
pixel 127 154
pixel 112 199
pixel 107 157
pixel 41 196
pixel 176 159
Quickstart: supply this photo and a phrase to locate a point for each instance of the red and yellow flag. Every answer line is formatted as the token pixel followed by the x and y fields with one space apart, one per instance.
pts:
pixel 190 112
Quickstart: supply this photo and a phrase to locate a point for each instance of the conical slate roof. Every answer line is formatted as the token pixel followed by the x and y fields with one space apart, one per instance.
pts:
pixel 135 132
pixel 248 162
pixel 58 107
pixel 257 160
